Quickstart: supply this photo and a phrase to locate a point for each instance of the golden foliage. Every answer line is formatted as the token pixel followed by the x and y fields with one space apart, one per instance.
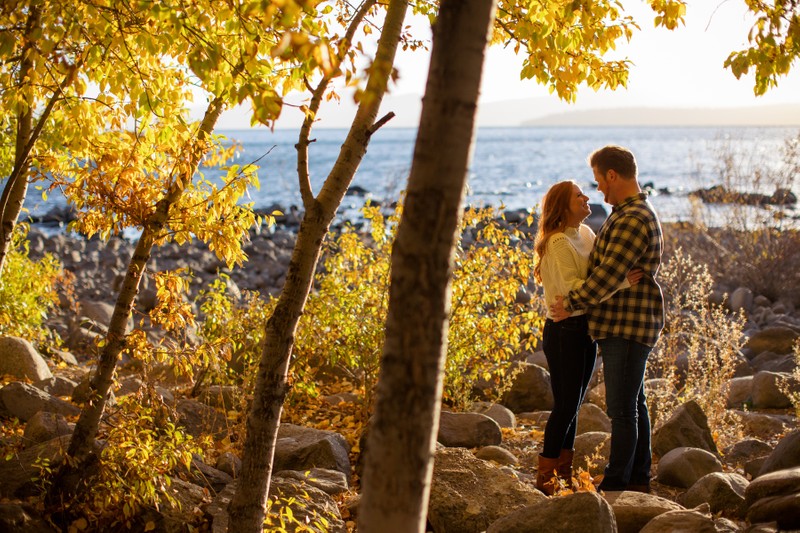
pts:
pixel 28 292
pixel 143 448
pixel 563 41
pixel 344 320
pixel 774 43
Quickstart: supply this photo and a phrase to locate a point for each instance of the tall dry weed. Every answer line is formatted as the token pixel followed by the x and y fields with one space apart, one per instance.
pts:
pixel 698 353
pixel 791 386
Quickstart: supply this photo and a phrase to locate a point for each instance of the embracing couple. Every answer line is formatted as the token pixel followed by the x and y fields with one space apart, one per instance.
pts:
pixel 601 292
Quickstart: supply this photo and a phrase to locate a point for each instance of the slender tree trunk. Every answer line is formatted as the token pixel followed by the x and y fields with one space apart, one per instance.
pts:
pixel 402 434
pixel 16 188
pixel 70 475
pixel 248 507
pixel 13 196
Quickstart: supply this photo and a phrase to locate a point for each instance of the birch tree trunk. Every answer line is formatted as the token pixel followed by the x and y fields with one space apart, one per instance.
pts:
pixel 247 509
pixel 16 187
pixel 402 434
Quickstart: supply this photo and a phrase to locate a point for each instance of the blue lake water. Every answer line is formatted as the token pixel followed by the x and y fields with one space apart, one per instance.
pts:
pixel 512 166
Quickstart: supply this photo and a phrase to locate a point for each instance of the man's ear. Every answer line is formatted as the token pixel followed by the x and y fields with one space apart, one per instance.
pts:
pixel 611 175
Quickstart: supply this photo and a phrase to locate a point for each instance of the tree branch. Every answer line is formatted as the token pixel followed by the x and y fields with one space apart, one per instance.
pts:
pixel 316 100
pixel 375 127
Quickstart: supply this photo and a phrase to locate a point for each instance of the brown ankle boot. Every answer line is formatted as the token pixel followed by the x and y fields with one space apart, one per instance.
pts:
pixel 565 466
pixel 546 475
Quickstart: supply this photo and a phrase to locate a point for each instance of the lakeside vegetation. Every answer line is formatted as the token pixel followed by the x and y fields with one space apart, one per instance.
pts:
pixel 95 103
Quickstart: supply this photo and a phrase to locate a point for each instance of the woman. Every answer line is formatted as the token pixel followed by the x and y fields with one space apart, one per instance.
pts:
pixel 562 247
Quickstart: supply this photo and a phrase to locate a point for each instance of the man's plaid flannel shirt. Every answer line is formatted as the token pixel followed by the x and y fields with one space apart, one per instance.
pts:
pixel 629 238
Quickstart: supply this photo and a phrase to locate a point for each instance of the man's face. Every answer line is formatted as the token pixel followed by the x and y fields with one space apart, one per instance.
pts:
pixel 603 184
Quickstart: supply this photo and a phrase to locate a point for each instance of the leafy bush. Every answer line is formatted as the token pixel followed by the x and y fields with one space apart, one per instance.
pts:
pixel 28 291
pixel 343 323
pixel 144 447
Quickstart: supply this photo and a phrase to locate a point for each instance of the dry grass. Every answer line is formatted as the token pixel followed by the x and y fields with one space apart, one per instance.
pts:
pixel 707 335
pixel 755 246
pixel 791 386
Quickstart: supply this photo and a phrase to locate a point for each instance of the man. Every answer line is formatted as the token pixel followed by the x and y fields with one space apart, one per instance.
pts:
pixel 626 325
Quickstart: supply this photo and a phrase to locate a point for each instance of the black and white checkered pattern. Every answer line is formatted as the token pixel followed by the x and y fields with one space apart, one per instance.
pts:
pixel 629 238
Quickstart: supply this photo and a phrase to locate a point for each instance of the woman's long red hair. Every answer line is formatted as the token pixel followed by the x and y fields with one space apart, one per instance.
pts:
pixel 555 206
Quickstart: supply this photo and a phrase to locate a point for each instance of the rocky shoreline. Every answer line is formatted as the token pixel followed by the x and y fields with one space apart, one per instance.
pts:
pixel 483 476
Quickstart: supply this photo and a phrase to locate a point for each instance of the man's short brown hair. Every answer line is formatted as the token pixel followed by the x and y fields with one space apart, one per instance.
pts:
pixel 616 158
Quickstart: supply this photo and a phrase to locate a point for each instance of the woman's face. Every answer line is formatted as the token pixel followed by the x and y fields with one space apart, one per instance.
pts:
pixel 578 207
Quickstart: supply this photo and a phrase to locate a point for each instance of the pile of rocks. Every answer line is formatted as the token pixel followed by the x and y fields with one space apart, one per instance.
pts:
pixel 480 482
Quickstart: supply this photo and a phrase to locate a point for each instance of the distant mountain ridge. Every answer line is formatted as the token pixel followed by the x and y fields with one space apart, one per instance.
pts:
pixel 770 115
pixel 540 111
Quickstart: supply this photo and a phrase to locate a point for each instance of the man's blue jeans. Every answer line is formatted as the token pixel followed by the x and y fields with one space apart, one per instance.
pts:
pixel 624 363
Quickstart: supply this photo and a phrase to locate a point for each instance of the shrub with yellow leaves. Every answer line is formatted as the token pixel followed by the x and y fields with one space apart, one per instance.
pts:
pixel 28 291
pixel 343 324
pixel 144 449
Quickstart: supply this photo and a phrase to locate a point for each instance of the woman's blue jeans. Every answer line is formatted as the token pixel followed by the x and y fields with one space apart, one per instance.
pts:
pixel 624 363
pixel 571 355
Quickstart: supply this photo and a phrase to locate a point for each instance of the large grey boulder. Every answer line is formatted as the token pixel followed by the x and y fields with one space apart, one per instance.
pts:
pixel 584 511
pixel 331 482
pixel 767 393
pixel 777 339
pixel 739 390
pixel 44 426
pixel 775 497
pixel 501 414
pixel 592 418
pixel 225 397
pixel 56 385
pixel 592 451
pixel 96 316
pixel 688 520
pixel 746 450
pixel 20 470
pixel 741 298
pixel 206 476
pixel 783 510
pixel 175 518
pixel 468 494
pixel 198 419
pixel 530 390
pixel 723 492
pixel 229 463
pixel 534 418
pixel 497 454
pixel 22 400
pixel 774 362
pixel 682 467
pixel 20 359
pixel 763 425
pixel 687 427
pixel 786 454
pixel 468 430
pixel 302 448
pixel 633 510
